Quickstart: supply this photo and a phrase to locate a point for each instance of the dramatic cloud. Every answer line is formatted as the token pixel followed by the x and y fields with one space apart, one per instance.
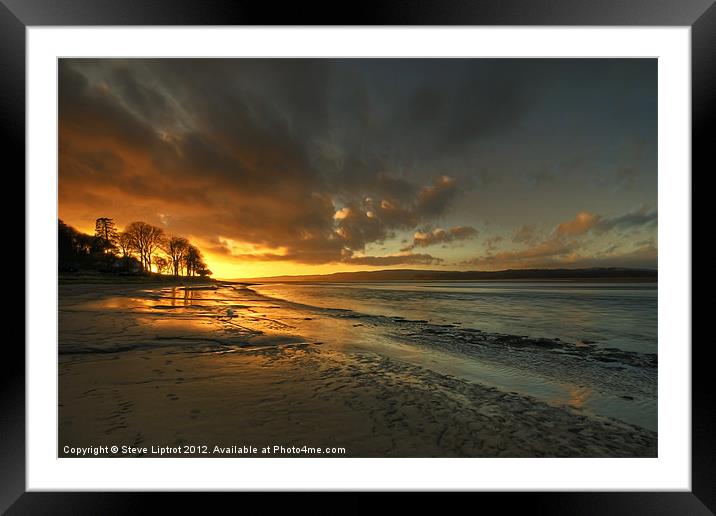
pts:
pixel 225 165
pixel 332 161
pixel 434 199
pixel 441 236
pixel 566 244
pixel 582 223
pixel 585 222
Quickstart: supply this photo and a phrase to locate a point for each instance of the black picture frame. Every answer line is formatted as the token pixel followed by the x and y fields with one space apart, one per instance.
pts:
pixel 700 15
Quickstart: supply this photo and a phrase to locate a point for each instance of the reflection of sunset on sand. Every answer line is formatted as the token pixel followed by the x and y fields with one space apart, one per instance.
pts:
pixel 157 365
pixel 578 395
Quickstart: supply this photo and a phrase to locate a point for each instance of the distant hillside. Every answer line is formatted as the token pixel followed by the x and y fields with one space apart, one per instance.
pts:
pixel 592 274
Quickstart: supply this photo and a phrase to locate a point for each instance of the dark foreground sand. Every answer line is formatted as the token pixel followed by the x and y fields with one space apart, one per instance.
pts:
pixel 154 368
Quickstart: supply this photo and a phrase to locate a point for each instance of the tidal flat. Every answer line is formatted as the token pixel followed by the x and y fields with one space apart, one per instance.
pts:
pixel 183 367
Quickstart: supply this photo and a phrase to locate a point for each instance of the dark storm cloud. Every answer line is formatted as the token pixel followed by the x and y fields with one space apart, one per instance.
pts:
pixel 231 158
pixel 441 118
pixel 506 93
pixel 434 199
pixel 93 111
pixel 142 99
pixel 307 160
pixel 370 221
pixel 370 175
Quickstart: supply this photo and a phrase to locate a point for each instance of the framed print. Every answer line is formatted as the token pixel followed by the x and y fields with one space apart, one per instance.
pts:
pixel 444 248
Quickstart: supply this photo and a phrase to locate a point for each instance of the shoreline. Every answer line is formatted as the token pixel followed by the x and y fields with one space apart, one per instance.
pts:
pixel 616 280
pixel 281 389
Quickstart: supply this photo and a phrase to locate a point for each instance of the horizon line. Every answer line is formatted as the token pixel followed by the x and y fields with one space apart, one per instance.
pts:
pixel 531 269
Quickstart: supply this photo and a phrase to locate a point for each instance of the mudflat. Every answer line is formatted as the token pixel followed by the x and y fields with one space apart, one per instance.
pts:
pixel 218 370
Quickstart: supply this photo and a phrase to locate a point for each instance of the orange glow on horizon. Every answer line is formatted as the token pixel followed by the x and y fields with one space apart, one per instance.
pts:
pixel 226 268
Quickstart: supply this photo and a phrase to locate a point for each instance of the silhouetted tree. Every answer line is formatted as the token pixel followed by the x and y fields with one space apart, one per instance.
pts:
pixel 67 251
pixel 176 248
pixel 84 244
pixel 201 266
pixel 145 239
pixel 124 242
pixel 105 233
pixel 78 250
pixel 193 260
pixel 161 264
pixel 136 247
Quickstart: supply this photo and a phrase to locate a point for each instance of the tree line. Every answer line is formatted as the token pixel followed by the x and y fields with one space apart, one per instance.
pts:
pixel 140 248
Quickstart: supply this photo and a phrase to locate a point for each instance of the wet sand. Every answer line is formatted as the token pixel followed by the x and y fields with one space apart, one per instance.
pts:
pixel 152 366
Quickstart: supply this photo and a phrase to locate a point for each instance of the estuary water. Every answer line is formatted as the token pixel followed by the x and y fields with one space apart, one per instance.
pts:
pixel 616 315
pixel 592 346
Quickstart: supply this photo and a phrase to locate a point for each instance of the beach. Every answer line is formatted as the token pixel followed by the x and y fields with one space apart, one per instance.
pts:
pixel 224 370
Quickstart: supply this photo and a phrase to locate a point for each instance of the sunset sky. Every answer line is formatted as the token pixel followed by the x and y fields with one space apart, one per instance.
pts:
pixel 305 166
